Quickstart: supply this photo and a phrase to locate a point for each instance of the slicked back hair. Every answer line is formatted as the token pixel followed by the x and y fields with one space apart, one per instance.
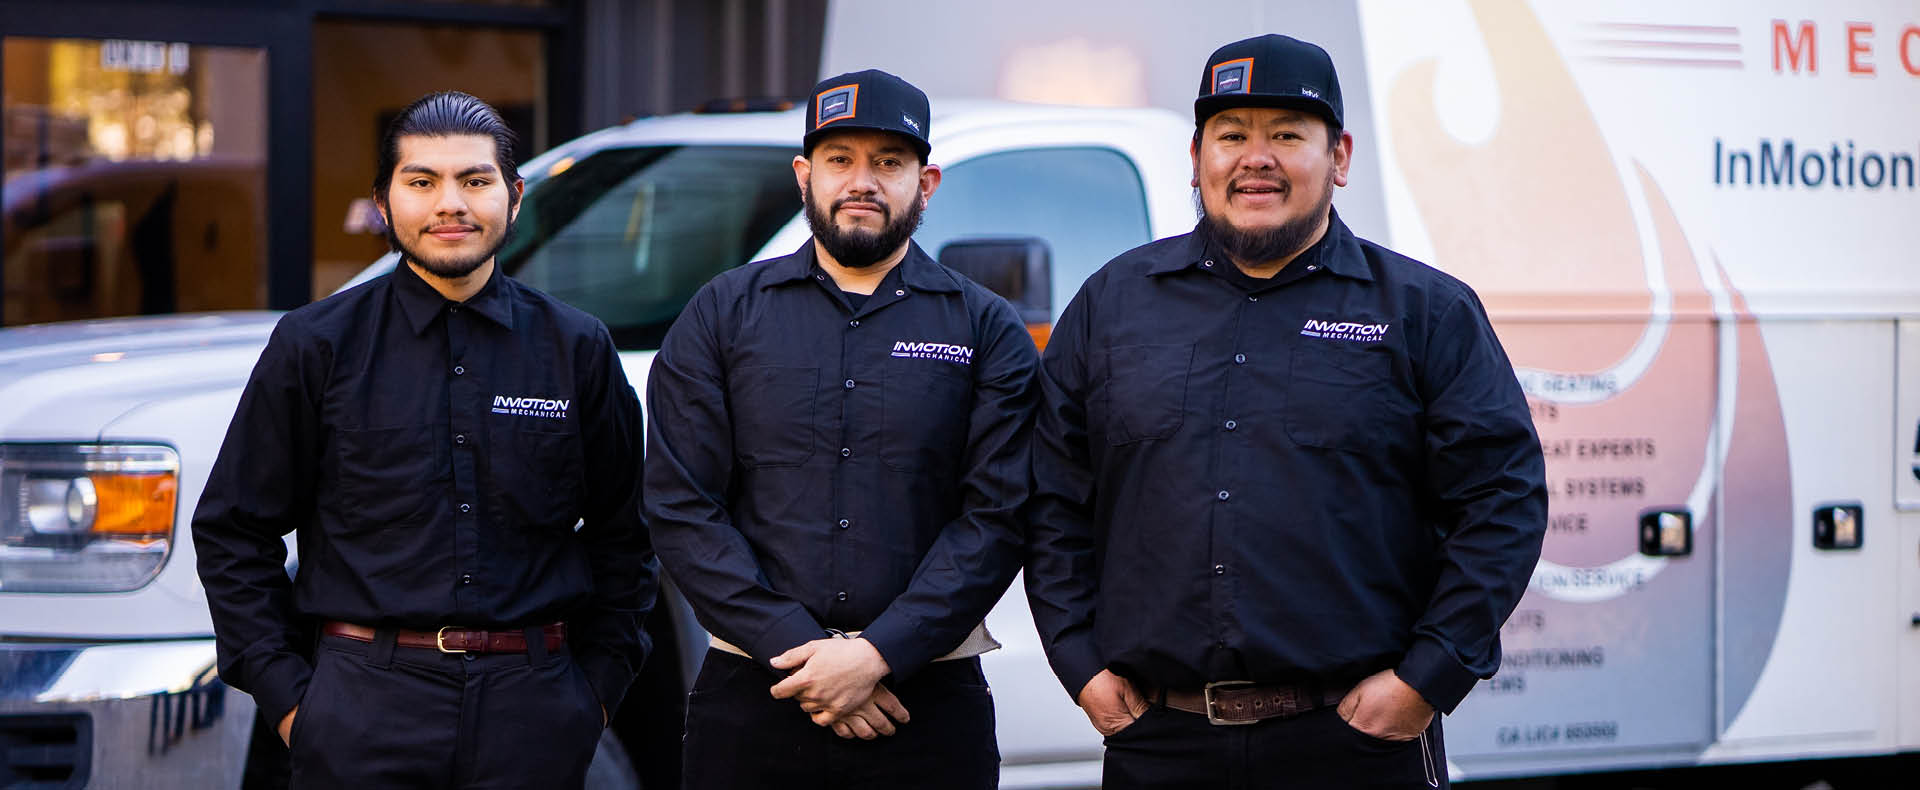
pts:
pixel 447 114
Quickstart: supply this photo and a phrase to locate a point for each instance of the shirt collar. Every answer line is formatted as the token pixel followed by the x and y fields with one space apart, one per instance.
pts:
pixel 917 270
pixel 790 268
pixel 421 303
pixel 1337 251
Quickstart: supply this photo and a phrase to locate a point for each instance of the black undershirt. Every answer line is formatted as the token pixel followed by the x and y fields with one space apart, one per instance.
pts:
pixel 1229 271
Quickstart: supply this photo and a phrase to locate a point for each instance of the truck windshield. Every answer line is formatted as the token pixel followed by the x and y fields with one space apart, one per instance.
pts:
pixel 629 234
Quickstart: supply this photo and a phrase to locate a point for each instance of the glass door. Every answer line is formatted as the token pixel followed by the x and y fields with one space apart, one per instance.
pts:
pixel 135 178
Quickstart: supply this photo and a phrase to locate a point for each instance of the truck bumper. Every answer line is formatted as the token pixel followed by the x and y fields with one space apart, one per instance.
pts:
pixel 149 714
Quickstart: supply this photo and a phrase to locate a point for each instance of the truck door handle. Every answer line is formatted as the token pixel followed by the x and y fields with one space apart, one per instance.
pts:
pixel 1916 451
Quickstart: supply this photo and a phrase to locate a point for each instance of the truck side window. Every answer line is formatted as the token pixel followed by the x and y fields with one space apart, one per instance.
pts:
pixel 1087 203
pixel 629 234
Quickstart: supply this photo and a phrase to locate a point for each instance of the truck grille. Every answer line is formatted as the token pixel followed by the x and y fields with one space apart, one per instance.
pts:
pixel 42 752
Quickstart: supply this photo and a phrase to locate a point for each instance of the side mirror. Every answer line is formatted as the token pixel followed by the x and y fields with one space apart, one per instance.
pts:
pixel 1019 268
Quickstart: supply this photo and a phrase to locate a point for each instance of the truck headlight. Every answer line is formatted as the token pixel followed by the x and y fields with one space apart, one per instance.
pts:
pixel 85 517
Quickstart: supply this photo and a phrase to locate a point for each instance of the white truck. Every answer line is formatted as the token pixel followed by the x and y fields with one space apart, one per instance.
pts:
pixel 1692 227
pixel 108 429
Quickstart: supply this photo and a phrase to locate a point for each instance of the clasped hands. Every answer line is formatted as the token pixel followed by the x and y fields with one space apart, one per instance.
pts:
pixel 837 682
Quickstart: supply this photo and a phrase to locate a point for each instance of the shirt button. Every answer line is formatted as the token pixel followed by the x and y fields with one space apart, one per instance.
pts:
pixel 1208 264
pixel 842 596
pixel 466 578
pixel 459 438
pixel 1232 425
pixel 900 292
pixel 1239 359
pixel 466 508
pixel 854 322
pixel 819 277
pixel 845 523
pixel 459 371
pixel 453 308
pixel 1224 495
pixel 846 452
pixel 1219 570
pixel 1312 268
pixel 1252 298
pixel 849 383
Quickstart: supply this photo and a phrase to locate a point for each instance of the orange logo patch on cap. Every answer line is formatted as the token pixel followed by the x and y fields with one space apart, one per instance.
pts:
pixel 835 104
pixel 1233 76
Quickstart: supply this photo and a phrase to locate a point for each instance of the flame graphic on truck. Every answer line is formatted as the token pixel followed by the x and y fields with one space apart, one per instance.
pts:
pixel 1649 377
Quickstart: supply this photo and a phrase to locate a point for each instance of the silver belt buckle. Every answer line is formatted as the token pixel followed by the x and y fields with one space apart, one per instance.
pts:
pixel 1215 720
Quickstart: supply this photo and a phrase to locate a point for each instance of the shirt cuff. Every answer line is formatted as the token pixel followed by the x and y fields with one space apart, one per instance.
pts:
pixel 906 649
pixel 1075 662
pixel 280 685
pixel 793 630
pixel 609 675
pixel 1430 668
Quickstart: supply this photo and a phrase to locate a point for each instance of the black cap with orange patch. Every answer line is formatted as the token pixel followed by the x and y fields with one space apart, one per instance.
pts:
pixel 1270 71
pixel 870 99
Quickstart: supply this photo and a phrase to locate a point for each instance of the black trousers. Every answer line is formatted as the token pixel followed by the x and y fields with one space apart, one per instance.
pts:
pixel 1167 749
pixel 739 736
pixel 376 716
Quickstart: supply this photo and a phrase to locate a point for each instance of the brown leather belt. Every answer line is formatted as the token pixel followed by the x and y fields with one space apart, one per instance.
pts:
pixel 1245 702
pixel 455 640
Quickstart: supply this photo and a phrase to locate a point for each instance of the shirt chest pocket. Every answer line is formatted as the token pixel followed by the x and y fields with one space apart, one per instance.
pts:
pixel 772 411
pixel 924 413
pixel 390 476
pixel 1334 396
pixel 1146 391
pixel 537 479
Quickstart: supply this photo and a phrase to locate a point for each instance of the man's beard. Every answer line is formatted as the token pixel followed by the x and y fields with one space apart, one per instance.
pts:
pixel 858 248
pixel 455 267
pixel 1261 245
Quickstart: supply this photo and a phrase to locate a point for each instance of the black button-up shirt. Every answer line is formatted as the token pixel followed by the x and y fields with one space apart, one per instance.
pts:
pixel 1314 477
pixel 435 459
pixel 813 466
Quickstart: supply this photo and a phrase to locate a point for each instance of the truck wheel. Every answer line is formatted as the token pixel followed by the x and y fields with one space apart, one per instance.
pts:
pixel 611 768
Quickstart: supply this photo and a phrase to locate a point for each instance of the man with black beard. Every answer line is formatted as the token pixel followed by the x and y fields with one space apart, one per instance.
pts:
pixel 836 455
pixel 1286 485
pixel 458 455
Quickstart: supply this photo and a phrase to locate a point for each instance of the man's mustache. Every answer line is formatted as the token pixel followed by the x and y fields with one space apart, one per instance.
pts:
pixel 885 213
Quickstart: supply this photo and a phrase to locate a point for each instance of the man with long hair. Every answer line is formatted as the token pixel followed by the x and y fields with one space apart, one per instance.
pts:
pixel 457 454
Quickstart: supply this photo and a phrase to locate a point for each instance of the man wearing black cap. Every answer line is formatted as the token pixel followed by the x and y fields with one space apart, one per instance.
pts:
pixel 836 454
pixel 1286 486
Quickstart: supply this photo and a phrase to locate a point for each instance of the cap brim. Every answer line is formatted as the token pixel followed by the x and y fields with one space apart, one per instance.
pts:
pixel 1207 106
pixel 920 145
